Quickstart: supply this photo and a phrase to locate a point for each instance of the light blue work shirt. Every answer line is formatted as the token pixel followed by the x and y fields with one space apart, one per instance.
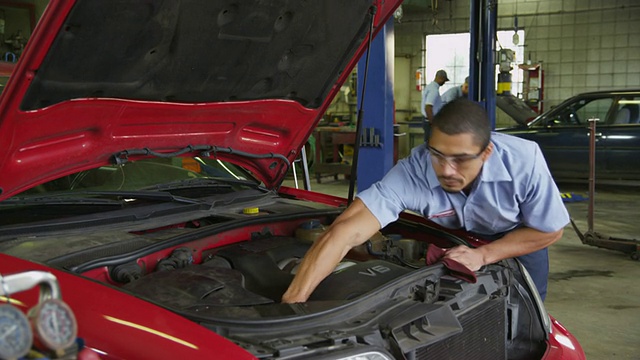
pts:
pixel 451 94
pixel 514 188
pixel 431 96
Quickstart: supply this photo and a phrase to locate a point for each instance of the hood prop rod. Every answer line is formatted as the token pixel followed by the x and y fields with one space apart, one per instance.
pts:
pixel 356 150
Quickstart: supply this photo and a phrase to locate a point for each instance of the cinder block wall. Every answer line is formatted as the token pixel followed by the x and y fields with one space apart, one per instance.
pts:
pixel 584 45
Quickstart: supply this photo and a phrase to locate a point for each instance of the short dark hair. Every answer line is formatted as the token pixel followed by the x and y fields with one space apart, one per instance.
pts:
pixel 463 116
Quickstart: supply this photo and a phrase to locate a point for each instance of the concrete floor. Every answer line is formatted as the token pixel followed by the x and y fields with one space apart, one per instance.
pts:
pixel 594 292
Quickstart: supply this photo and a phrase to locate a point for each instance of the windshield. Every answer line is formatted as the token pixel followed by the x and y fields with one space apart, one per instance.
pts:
pixel 135 183
pixel 144 175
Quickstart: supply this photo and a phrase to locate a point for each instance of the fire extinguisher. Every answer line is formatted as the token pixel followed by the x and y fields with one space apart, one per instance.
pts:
pixel 419 79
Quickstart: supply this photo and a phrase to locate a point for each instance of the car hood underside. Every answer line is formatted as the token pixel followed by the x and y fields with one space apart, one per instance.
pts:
pixel 101 78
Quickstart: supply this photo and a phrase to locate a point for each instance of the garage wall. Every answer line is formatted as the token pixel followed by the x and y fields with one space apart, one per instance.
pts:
pixel 584 45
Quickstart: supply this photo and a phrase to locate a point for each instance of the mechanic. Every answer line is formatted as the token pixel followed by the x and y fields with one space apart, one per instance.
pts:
pixel 495 186
pixel 456 92
pixel 432 101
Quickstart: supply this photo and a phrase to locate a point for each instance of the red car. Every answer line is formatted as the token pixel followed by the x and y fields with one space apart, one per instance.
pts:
pixel 141 212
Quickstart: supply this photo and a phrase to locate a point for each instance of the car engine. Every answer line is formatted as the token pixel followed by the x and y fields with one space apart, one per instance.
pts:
pixel 254 273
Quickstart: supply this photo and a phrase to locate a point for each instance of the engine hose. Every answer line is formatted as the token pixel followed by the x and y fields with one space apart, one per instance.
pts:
pixel 370 250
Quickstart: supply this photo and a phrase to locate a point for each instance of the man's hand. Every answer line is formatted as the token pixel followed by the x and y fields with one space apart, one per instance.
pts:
pixel 353 227
pixel 516 243
pixel 292 297
pixel 473 259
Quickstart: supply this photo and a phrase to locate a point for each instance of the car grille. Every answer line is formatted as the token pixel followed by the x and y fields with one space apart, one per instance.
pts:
pixel 483 336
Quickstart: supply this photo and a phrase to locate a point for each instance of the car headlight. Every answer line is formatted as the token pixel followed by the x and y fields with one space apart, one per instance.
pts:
pixel 355 352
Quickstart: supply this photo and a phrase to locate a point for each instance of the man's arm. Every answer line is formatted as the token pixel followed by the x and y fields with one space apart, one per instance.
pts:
pixel 428 109
pixel 352 228
pixel 518 242
pixel 449 96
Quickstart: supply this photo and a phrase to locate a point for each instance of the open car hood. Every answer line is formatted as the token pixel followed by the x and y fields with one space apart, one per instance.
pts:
pixel 102 78
pixel 516 108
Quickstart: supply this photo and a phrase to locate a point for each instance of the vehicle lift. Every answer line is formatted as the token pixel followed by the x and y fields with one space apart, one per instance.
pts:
pixel 591 237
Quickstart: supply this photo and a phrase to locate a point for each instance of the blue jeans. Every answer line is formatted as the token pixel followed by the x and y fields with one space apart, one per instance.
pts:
pixel 426 126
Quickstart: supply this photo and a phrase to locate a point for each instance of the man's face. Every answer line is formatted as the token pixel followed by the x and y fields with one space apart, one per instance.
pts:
pixel 465 89
pixel 440 80
pixel 456 159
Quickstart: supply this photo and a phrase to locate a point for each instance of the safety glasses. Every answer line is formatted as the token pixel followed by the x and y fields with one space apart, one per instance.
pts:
pixel 455 161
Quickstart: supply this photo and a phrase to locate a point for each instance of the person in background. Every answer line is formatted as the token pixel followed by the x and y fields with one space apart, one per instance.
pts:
pixel 432 101
pixel 495 186
pixel 456 92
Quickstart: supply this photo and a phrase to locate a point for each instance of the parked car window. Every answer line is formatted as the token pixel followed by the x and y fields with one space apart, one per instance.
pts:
pixel 627 111
pixel 580 112
pixel 597 109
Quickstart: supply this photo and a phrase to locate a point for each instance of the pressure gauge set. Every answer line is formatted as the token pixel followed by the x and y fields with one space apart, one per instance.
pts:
pixel 54 325
pixel 15 333
pixel 50 326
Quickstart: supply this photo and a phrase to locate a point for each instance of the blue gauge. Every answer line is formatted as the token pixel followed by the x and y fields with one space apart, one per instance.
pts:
pixel 54 324
pixel 16 337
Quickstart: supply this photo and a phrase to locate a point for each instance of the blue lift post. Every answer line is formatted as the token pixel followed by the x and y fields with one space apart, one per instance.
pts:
pixel 474 49
pixel 375 158
pixel 482 69
pixel 375 161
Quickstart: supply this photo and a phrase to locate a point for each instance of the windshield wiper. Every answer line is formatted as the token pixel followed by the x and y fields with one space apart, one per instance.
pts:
pixel 203 182
pixel 147 195
pixel 122 196
pixel 206 151
pixel 58 200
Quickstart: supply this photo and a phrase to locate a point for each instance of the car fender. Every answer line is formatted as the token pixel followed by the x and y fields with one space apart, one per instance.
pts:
pixel 120 326
pixel 562 344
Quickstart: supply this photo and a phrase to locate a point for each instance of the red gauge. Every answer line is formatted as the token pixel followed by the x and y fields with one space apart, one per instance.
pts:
pixel 54 324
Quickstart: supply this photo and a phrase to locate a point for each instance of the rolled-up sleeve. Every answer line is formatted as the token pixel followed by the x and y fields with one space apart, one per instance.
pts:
pixel 432 97
pixel 387 198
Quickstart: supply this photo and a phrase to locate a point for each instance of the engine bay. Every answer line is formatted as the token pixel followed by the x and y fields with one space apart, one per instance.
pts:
pixel 254 273
pixel 228 272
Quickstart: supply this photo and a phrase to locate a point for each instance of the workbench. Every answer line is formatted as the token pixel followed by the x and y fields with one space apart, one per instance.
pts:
pixel 328 161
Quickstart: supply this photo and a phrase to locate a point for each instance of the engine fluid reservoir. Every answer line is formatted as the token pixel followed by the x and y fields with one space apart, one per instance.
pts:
pixel 411 249
pixel 310 231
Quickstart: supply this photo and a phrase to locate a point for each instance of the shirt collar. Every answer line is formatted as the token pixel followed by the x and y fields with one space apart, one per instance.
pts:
pixel 494 169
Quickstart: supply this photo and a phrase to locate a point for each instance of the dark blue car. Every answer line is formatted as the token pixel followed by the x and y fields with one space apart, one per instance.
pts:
pixel 563 134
